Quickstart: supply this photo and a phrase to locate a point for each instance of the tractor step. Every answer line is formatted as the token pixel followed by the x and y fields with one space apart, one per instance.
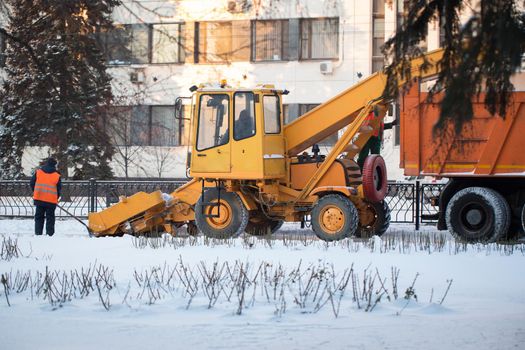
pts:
pixel 211 204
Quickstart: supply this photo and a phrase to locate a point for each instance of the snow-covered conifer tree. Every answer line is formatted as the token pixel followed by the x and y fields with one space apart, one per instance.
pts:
pixel 57 90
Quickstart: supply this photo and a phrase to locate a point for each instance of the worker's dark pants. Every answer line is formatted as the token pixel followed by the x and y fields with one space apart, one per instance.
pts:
pixel 45 212
pixel 373 146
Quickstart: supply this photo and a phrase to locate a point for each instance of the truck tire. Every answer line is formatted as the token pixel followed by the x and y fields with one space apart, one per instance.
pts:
pixel 523 218
pixel 478 214
pixel 334 217
pixel 233 214
pixel 374 178
pixel 262 226
pixel 379 224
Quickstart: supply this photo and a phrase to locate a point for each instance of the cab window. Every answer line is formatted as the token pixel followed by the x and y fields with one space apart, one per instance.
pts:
pixel 213 127
pixel 272 123
pixel 244 115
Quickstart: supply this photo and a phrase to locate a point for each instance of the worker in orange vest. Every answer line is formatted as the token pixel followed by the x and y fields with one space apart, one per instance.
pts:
pixel 373 145
pixel 46 186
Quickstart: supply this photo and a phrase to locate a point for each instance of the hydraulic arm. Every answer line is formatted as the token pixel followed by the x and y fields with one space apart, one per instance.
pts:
pixel 340 111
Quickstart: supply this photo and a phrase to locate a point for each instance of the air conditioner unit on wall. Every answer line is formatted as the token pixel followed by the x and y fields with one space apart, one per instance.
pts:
pixel 326 67
pixel 137 76
pixel 238 6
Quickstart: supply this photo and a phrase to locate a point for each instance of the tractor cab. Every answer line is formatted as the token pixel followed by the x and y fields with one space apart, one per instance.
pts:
pixel 237 133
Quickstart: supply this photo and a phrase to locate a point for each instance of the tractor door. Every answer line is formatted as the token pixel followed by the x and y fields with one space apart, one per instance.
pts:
pixel 273 141
pixel 211 153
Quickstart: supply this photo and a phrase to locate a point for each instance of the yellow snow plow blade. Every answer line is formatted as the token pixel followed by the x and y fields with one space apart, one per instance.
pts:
pixel 108 221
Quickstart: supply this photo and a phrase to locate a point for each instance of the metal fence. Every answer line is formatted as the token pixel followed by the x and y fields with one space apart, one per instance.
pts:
pixel 409 202
pixel 78 197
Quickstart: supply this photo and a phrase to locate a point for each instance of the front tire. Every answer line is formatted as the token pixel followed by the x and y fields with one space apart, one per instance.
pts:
pixel 232 214
pixel 375 221
pixel 478 214
pixel 334 217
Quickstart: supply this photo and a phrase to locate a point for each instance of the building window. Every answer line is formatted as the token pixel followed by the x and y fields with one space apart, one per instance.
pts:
pixel 128 44
pixel 319 38
pixel 166 43
pixel 442 37
pixel 164 127
pixel 145 126
pixel 270 40
pixel 402 13
pixel 2 49
pixel 397 128
pixel 118 126
pixel 220 42
pixel 378 34
pixel 143 43
pixel 305 108
pixel 140 126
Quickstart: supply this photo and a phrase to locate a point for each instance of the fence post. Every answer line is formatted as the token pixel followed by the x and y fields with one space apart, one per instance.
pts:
pixel 92 195
pixel 418 207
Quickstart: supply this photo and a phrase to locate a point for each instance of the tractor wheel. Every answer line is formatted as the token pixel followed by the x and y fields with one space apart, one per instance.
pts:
pixel 375 220
pixel 374 178
pixel 334 217
pixel 228 219
pixel 478 214
pixel 191 229
pixel 258 226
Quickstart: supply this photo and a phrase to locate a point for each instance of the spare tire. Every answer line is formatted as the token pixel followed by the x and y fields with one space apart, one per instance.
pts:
pixel 374 178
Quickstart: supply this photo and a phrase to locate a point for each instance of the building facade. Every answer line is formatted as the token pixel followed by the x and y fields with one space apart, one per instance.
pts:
pixel 315 49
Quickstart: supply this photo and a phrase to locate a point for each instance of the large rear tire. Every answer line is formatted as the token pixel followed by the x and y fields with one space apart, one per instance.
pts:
pixel 375 221
pixel 334 217
pixel 478 214
pixel 232 214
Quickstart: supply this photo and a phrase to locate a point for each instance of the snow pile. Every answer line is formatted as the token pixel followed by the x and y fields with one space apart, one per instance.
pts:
pixel 406 290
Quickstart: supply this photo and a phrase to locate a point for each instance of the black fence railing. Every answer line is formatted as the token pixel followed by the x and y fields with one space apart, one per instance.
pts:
pixel 409 202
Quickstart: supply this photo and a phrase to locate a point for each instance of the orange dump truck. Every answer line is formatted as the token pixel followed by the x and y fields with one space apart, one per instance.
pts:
pixel 485 164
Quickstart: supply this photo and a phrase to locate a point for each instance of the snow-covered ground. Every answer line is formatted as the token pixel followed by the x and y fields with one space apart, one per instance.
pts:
pixel 484 308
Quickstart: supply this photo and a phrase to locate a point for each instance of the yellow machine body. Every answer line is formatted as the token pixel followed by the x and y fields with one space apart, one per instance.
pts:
pixel 239 143
pixel 229 153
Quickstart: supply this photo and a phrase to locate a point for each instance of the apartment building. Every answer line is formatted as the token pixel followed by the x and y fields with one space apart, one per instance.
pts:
pixel 315 49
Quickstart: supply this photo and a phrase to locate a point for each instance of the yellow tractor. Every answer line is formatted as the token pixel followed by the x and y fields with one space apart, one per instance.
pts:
pixel 251 172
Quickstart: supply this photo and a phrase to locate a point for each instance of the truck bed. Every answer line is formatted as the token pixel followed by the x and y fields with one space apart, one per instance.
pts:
pixel 488 145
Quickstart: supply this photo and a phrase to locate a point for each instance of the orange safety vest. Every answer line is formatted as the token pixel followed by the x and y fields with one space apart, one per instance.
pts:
pixel 46 187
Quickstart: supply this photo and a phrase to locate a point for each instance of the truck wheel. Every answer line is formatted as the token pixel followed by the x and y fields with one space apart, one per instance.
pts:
pixel 232 215
pixel 478 214
pixel 523 218
pixel 374 221
pixel 258 226
pixel 334 217
pixel 374 178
